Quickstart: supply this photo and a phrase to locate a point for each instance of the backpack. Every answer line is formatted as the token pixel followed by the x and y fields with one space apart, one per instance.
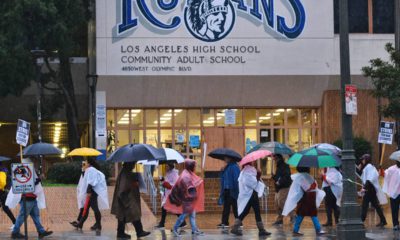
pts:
pixel 3 180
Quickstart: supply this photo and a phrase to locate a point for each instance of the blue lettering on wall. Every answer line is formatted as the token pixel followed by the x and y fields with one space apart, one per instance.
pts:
pixel 260 9
pixel 300 21
pixel 127 21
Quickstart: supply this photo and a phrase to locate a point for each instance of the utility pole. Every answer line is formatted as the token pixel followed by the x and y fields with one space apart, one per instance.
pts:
pixel 397 46
pixel 350 225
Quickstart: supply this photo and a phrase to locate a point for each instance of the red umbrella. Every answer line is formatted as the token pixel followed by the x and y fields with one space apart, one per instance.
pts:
pixel 253 156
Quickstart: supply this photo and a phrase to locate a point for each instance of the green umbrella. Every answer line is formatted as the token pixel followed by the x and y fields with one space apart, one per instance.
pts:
pixel 313 157
pixel 274 147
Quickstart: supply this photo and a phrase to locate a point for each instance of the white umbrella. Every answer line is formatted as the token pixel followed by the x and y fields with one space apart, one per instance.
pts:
pixel 328 146
pixel 171 155
pixel 395 156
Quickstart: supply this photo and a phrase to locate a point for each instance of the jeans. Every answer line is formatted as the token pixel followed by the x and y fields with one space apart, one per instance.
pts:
pixel 394 205
pixel 330 204
pixel 32 210
pixel 164 216
pixel 229 202
pixel 314 219
pixel 192 219
pixel 255 204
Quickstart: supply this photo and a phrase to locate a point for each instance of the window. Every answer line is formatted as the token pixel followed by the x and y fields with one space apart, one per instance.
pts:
pixel 383 14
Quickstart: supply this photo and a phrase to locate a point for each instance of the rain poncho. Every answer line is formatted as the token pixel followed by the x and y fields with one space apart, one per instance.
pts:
pixel 97 180
pixel 391 184
pixel 13 199
pixel 171 177
pixel 369 173
pixel 187 195
pixel 301 183
pixel 247 184
pixel 334 180
pixel 81 193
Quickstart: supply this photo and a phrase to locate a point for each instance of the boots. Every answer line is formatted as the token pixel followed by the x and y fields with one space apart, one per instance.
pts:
pixel 261 230
pixel 236 228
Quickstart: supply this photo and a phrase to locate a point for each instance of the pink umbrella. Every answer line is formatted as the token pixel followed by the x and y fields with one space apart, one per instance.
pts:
pixel 253 156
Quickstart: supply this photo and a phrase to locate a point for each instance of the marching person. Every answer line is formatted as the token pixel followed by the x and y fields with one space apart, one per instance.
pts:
pixel 391 186
pixel 34 201
pixel 80 195
pixel 250 189
pixel 126 204
pixel 282 182
pixel 171 176
pixel 333 187
pixel 229 191
pixel 5 185
pixel 187 198
pixel 95 192
pixel 305 195
pixel 371 191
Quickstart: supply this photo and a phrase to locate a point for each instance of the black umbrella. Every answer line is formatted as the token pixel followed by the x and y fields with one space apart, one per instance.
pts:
pixel 40 149
pixel 136 152
pixel 221 153
pixel 3 159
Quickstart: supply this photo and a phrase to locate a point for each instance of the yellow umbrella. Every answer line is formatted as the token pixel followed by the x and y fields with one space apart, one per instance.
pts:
pixel 84 152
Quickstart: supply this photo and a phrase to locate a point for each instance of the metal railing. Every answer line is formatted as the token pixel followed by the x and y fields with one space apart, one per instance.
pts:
pixel 150 187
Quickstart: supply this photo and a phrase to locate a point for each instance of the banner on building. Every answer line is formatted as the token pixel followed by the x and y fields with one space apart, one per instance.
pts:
pixel 214 37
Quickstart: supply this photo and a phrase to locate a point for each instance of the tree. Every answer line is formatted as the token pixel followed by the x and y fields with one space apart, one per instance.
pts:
pixel 385 77
pixel 51 25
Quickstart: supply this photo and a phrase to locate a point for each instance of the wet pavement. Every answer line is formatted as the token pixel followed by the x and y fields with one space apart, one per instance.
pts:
pixel 207 223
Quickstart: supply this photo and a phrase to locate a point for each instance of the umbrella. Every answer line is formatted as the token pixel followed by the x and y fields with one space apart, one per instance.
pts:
pixel 395 156
pixel 85 152
pixel 313 157
pixel 273 147
pixel 221 153
pixel 171 155
pixel 253 156
pixel 3 159
pixel 136 152
pixel 327 146
pixel 40 148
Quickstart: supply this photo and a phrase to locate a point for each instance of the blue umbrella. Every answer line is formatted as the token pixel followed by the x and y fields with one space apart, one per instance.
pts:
pixel 136 152
pixel 221 153
pixel 3 159
pixel 40 149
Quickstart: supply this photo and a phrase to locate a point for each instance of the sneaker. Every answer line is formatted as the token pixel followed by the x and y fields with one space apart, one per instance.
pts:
pixel 381 224
pixel 95 227
pixel 175 232
pixel 45 234
pixel 328 224
pixel 221 225
pixel 12 227
pixel 198 233
pixel 184 224
pixel 297 234
pixel 277 223
pixel 263 233
pixel 160 226
pixel 320 233
pixel 396 228
pixel 142 234
pixel 17 236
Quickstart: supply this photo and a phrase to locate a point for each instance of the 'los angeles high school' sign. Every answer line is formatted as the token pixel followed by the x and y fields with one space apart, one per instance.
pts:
pixel 211 37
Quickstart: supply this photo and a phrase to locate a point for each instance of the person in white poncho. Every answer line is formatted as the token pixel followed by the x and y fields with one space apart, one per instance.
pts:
pixel 95 193
pixel 333 187
pixel 371 191
pixel 391 186
pixel 306 197
pixel 250 189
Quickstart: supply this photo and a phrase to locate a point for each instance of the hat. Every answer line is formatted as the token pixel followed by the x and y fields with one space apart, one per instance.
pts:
pixel 366 157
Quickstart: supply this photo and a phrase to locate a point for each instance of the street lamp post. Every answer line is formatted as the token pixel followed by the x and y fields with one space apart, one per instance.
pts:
pixel 92 82
pixel 38 56
pixel 350 225
pixel 397 46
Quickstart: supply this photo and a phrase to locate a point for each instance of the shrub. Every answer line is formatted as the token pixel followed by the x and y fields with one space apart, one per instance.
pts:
pixel 69 172
pixel 361 146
